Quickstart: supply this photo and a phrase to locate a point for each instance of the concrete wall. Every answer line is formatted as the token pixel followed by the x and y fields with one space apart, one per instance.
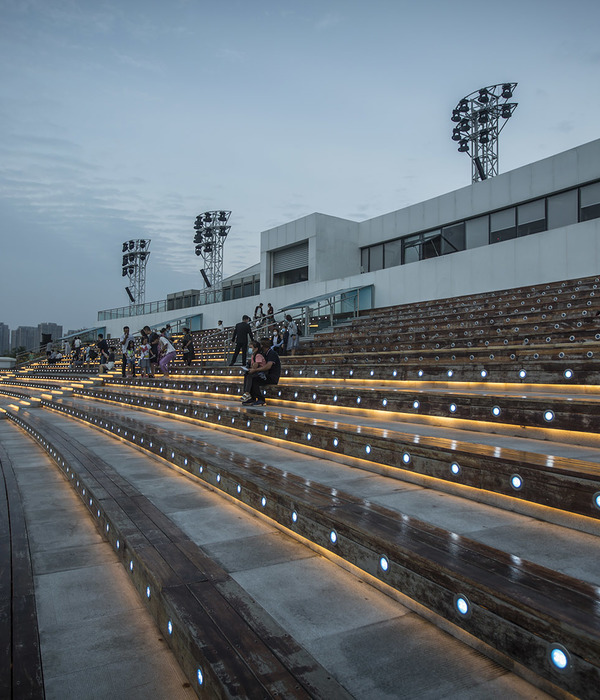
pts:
pixel 334 247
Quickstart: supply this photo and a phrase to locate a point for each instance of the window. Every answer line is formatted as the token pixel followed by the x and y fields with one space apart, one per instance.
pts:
pixel 247 289
pixel 590 202
pixel 502 225
pixel 453 238
pixel 290 265
pixel 376 257
pixel 531 217
pixel 432 245
pixel 411 246
pixel 226 293
pixel 478 232
pixel 290 277
pixel 237 291
pixel 392 253
pixel 364 259
pixel 562 209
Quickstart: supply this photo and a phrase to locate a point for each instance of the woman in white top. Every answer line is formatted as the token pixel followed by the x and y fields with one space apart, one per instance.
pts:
pixel 293 340
pixel 167 352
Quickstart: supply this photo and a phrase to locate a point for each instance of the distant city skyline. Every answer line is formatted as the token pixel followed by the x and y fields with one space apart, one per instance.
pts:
pixel 26 336
pixel 126 120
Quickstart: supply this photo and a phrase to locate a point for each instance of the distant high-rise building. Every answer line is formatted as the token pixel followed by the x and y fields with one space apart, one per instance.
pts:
pixel 25 336
pixel 52 329
pixel 4 339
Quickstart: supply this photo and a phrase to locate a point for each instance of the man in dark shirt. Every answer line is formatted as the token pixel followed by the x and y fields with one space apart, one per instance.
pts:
pixel 269 373
pixel 241 333
pixel 102 346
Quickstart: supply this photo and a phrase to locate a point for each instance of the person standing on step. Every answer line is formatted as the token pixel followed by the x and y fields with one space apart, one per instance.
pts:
pixel 241 333
pixel 293 339
pixel 187 345
pixel 166 351
pixel 124 340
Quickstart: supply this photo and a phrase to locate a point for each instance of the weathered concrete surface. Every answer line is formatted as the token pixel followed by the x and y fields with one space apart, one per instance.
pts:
pixel 97 640
pixel 369 642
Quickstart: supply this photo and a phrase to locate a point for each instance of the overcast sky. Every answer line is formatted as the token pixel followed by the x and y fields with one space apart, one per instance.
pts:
pixel 127 118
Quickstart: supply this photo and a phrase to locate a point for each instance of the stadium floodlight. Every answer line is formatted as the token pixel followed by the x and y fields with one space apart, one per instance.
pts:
pixel 477 123
pixel 134 267
pixel 211 229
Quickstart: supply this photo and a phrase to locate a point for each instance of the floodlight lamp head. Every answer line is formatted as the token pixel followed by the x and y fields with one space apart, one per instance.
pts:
pixel 456 116
pixel 484 96
pixel 125 259
pixel 198 250
pixel 124 272
pixel 222 216
pixel 223 231
pixel 208 217
pixel 463 106
pixel 456 135
pixel 131 245
pixel 506 111
pixel 483 116
pixel 463 146
pixel 507 92
pixel 125 246
pixel 484 136
pixel 464 125
pixel 142 244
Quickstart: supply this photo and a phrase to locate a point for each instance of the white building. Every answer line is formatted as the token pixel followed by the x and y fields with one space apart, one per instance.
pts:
pixel 538 223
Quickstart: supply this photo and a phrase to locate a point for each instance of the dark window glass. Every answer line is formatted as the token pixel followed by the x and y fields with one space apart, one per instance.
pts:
pixel 453 238
pixel 478 231
pixel 432 245
pixel 290 277
pixel 237 291
pixel 562 209
pixel 376 257
pixel 226 293
pixel 502 225
pixel 248 289
pixel 531 217
pixel 257 286
pixel 364 260
pixel 590 202
pixel 393 253
pixel 411 248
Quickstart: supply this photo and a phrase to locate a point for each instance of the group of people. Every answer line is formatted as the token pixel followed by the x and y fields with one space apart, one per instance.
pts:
pixel 264 365
pixel 155 349
pixel 264 320
pixel 283 341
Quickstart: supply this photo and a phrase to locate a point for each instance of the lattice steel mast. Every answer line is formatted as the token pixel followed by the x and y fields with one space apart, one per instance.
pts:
pixel 211 231
pixel 135 258
pixel 478 123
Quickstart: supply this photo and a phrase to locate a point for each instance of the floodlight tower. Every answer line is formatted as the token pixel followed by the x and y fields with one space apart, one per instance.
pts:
pixel 477 118
pixel 135 258
pixel 211 231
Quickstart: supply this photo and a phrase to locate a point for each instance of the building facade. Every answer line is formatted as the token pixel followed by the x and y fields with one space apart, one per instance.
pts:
pixel 25 337
pixel 4 339
pixel 538 223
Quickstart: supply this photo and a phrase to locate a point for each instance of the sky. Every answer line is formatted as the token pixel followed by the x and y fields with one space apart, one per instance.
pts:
pixel 126 119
